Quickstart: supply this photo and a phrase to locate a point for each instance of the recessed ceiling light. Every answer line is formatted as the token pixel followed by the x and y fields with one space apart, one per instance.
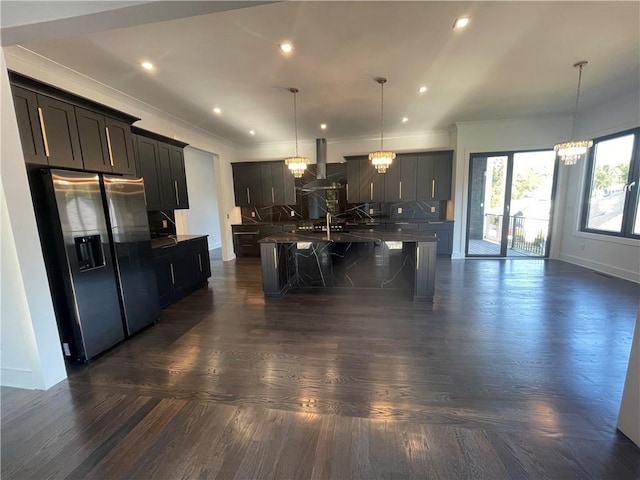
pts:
pixel 461 22
pixel 323 126
pixel 147 65
pixel 286 47
pixel 422 89
pixel 405 119
pixel 252 132
pixel 217 110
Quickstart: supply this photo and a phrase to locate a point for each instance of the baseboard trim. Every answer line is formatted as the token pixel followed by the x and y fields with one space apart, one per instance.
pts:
pixel 17 377
pixel 601 267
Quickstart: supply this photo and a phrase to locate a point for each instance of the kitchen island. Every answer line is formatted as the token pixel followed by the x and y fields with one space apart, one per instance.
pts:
pixel 381 260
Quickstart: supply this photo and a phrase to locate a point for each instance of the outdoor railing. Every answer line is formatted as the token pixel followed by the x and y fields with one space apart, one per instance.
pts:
pixel 526 235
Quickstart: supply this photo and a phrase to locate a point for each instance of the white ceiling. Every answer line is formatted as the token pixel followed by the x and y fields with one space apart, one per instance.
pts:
pixel 513 60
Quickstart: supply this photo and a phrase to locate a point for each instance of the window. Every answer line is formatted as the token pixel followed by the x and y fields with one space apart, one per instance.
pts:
pixel 611 196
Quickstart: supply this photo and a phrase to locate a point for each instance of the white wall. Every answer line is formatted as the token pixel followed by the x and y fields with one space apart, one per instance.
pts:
pixel 30 353
pixel 615 256
pixel 629 417
pixel 202 217
pixel 23 61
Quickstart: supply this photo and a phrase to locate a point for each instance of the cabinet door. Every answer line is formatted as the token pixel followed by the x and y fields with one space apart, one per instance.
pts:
pixel 289 196
pixel 392 181
pixel 163 267
pixel 179 177
pixel 434 176
pixel 60 133
pixel 377 183
pixel 407 178
pixel 25 103
pixel 186 271
pixel 148 169
pixel 266 185
pixel 120 141
pixel 353 181
pixel 93 141
pixel 168 190
pixel 201 251
pixel 442 166
pixel 247 184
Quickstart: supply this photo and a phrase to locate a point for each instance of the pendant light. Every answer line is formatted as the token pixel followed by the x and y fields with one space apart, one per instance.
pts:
pixel 296 164
pixel 569 152
pixel 381 159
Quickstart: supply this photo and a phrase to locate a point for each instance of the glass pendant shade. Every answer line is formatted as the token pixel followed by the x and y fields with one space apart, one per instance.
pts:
pixel 381 159
pixel 297 164
pixel 570 152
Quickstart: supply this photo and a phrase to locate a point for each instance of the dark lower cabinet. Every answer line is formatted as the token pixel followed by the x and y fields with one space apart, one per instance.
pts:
pixel 245 237
pixel 444 236
pixel 181 269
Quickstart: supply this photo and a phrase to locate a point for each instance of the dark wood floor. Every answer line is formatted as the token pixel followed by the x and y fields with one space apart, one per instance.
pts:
pixel 516 371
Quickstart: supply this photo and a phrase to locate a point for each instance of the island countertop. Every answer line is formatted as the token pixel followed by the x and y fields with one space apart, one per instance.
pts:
pixel 353 237
pixel 173 240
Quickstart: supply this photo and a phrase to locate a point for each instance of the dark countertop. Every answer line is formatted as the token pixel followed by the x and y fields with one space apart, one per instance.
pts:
pixel 173 240
pixel 341 237
pixel 377 221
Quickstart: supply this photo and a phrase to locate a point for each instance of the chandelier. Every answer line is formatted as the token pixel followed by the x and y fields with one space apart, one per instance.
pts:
pixel 570 152
pixel 381 159
pixel 296 164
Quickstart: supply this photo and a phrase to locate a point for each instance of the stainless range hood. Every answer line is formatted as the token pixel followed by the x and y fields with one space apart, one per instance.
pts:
pixel 321 182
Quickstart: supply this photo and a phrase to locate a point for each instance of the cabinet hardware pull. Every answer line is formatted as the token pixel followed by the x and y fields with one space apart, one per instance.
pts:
pixel 175 186
pixel 44 132
pixel 273 196
pixel 173 278
pixel 275 258
pixel 433 188
pixel 371 190
pixel 200 261
pixel 248 196
pixel 417 257
pixel 246 233
pixel 348 192
pixel 109 146
pixel 400 190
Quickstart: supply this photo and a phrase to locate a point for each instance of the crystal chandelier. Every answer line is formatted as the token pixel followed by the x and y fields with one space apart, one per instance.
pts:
pixel 381 159
pixel 570 152
pixel 296 164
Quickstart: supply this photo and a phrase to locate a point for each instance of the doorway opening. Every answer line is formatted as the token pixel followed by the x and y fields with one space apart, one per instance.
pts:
pixel 510 204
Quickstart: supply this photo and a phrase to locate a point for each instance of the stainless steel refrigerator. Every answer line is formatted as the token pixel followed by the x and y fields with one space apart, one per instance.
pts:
pixel 95 239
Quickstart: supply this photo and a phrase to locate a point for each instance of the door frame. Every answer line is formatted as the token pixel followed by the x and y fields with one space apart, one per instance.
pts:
pixel 510 154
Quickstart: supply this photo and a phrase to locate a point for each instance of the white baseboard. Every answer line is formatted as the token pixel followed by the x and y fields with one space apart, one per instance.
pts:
pixel 17 377
pixel 601 267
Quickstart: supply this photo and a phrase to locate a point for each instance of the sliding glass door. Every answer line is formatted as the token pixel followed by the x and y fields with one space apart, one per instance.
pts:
pixel 510 199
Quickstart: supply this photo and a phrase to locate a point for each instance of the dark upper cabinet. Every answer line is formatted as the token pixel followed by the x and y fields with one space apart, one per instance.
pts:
pixel 434 175
pixel 353 180
pixel 60 129
pixel 161 165
pixel 247 184
pixel 168 190
pixel 400 179
pixel 364 183
pixel 93 140
pixel 26 107
pixel 272 184
pixel 120 143
pixel 147 150
pixel 179 177
pixel 261 184
pixel 60 133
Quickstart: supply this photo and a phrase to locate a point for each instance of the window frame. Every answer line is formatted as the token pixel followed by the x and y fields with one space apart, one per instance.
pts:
pixel 631 201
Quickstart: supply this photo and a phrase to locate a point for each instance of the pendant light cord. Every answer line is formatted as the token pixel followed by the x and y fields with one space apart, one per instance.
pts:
pixel 295 119
pixel 575 111
pixel 381 116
